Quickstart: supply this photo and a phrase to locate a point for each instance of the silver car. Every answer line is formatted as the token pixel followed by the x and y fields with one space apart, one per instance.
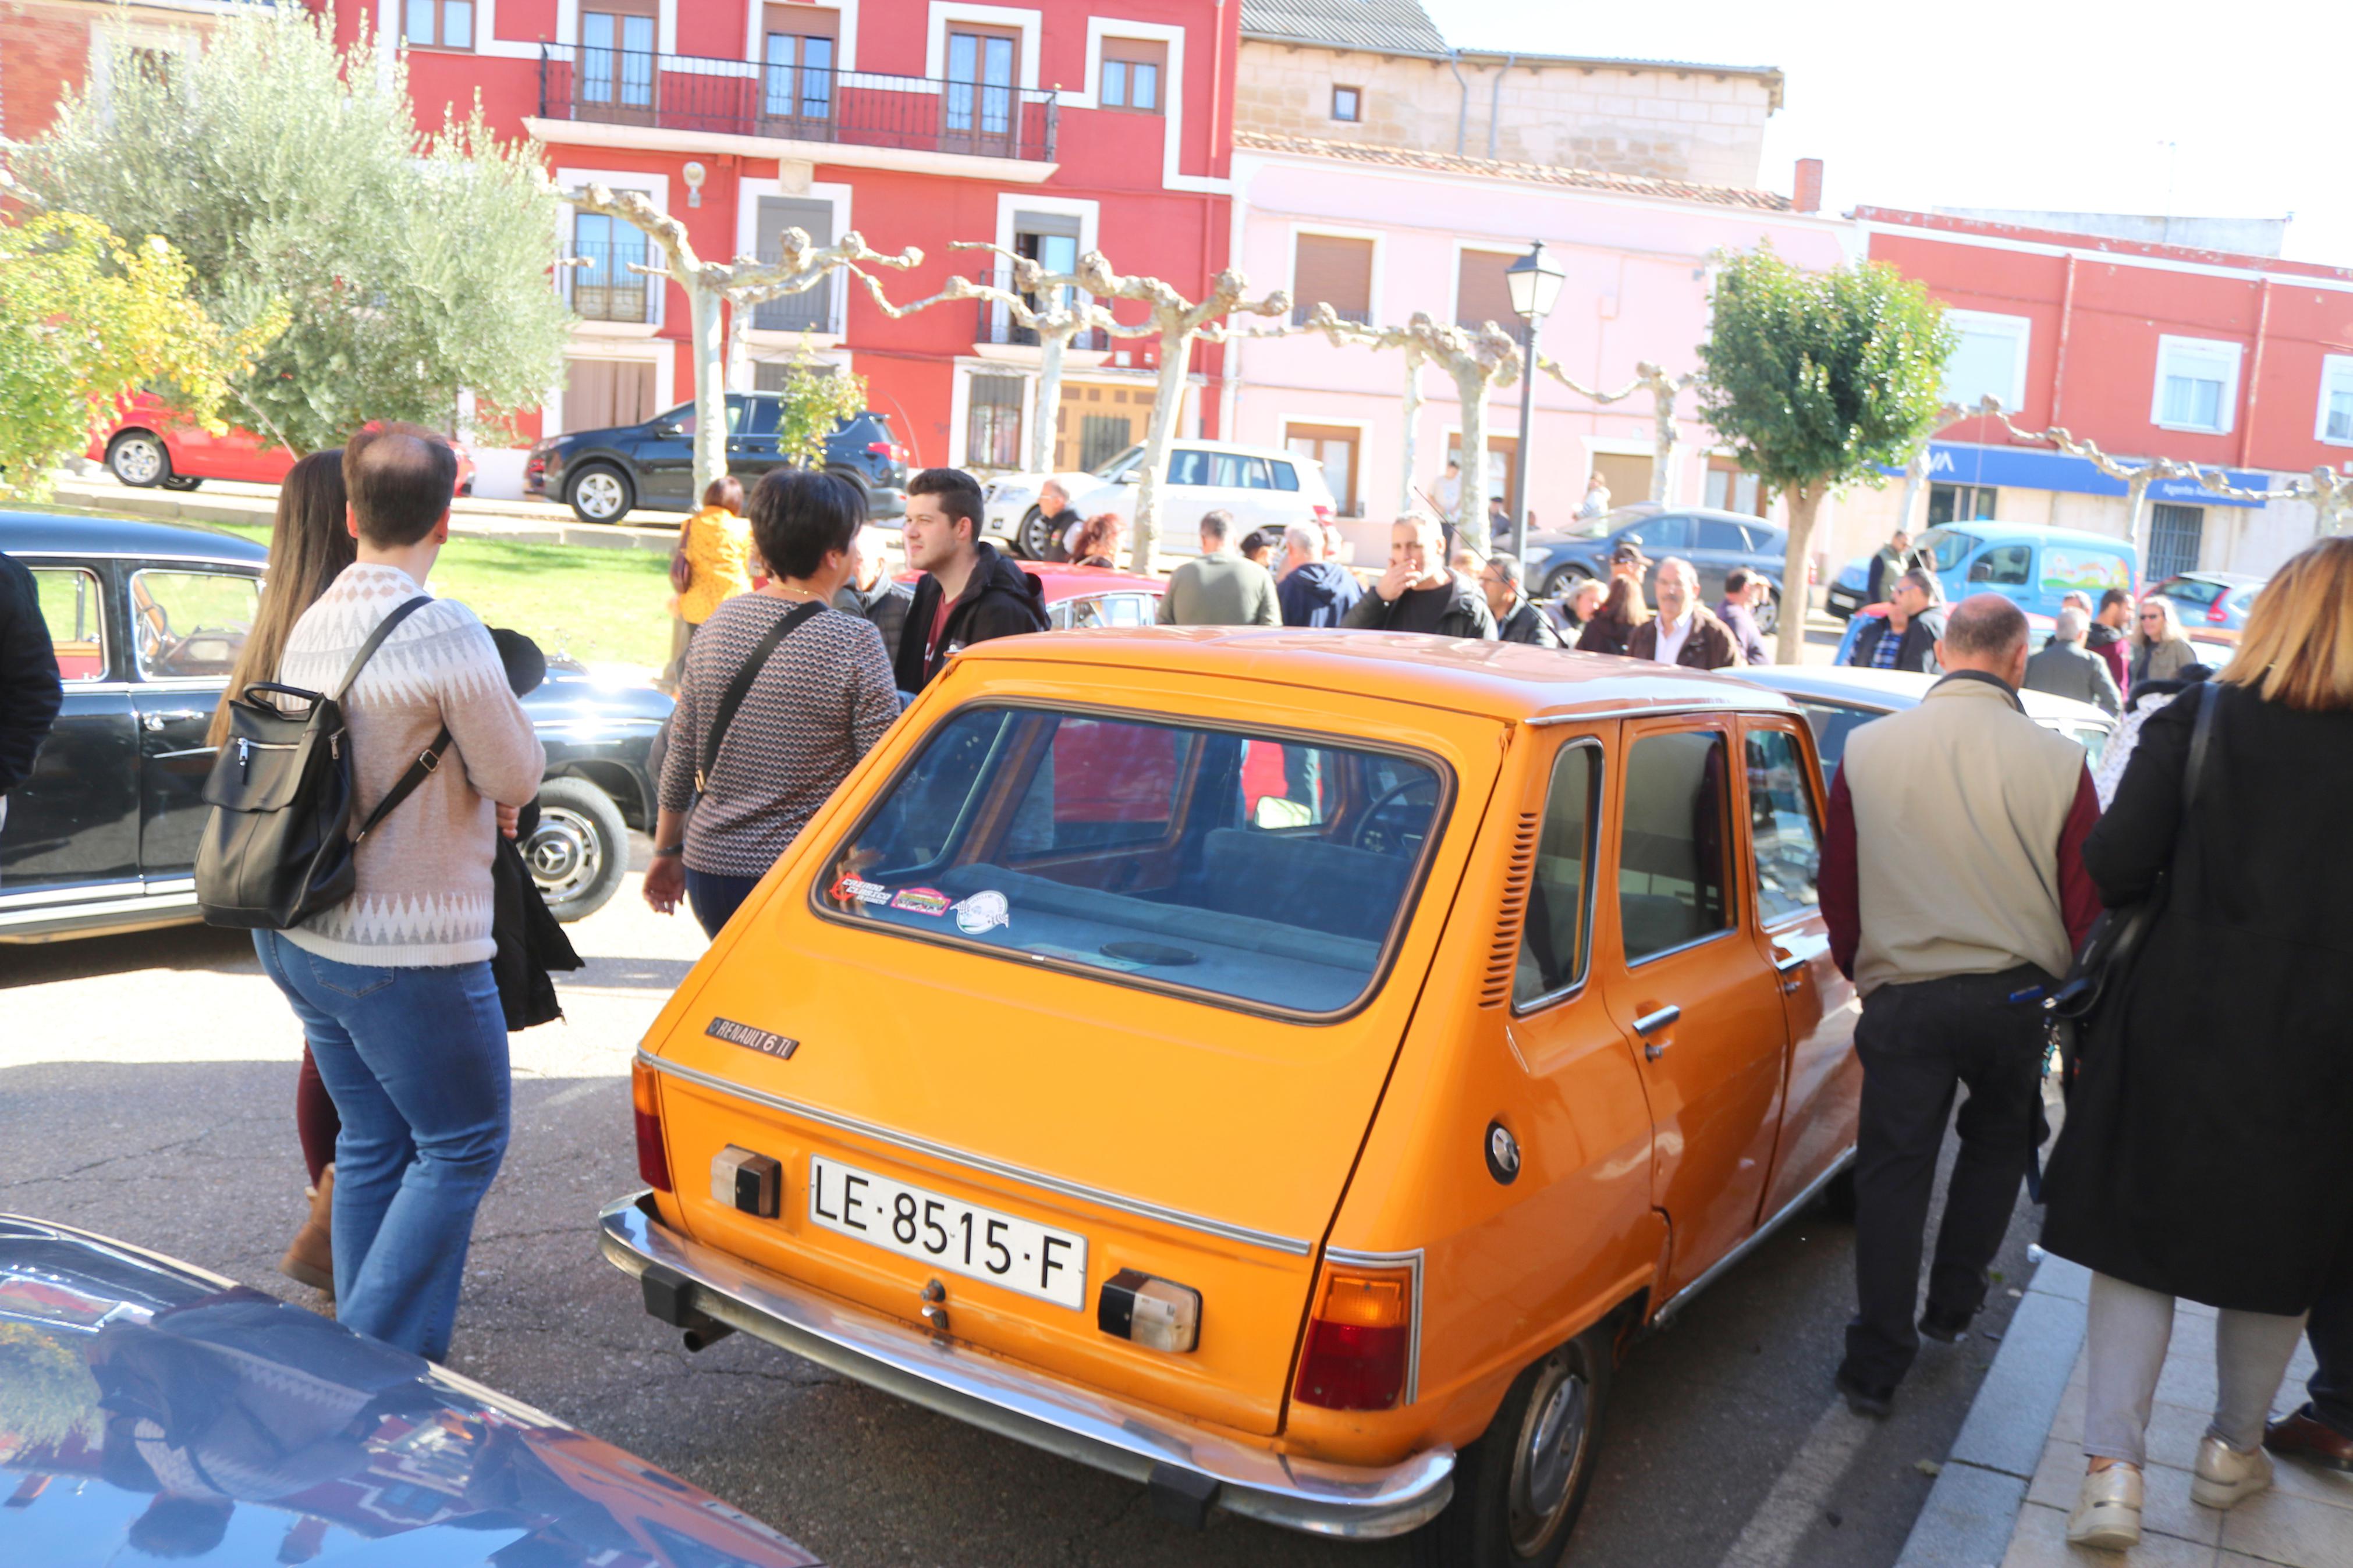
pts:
pixel 1838 699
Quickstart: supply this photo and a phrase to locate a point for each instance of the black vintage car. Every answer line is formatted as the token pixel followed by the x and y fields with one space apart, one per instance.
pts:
pixel 602 474
pixel 147 618
pixel 150 1411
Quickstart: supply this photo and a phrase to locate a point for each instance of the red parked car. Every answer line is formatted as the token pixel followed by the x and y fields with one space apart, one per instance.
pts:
pixel 150 445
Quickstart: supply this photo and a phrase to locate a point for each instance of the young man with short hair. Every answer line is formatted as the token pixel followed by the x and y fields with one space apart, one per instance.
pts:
pixel 1220 587
pixel 1684 632
pixel 2110 630
pixel 969 592
pixel 393 985
pixel 1516 620
pixel 1312 591
pixel 1418 593
pixel 1742 591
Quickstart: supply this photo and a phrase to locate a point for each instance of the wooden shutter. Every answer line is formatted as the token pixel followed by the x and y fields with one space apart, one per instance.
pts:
pixel 1330 270
pixel 1481 294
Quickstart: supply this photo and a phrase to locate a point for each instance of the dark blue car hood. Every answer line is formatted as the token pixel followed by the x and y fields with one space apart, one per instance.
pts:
pixel 150 1412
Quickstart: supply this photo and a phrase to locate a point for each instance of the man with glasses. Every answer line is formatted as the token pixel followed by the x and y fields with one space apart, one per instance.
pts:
pixel 1516 620
pixel 1905 638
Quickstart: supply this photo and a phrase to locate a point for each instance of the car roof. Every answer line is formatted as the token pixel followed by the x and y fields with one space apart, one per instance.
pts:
pixel 2227 579
pixel 1634 512
pixel 1513 682
pixel 59 533
pixel 1895 688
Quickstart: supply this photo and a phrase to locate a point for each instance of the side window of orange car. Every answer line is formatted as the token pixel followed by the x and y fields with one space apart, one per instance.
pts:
pixel 1781 827
pixel 1673 887
pixel 1556 937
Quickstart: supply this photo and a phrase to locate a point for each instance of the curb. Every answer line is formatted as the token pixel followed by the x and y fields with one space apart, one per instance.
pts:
pixel 1972 1510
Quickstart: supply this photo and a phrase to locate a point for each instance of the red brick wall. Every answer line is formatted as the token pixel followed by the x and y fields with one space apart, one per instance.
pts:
pixel 47 49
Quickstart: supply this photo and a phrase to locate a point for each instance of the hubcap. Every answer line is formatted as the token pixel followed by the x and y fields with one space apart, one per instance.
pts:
pixel 138 460
pixel 563 854
pixel 1547 1459
pixel 1768 614
pixel 599 496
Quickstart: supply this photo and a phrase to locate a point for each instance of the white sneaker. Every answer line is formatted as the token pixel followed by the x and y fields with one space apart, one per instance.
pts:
pixel 2224 1477
pixel 2108 1514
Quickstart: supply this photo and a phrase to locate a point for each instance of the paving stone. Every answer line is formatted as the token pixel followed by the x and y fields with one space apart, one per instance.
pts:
pixel 2165 1506
pixel 2334 1487
pixel 2041 1541
pixel 2294 1530
pixel 1966 1521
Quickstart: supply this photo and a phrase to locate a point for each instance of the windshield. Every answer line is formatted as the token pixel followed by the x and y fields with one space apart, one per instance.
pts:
pixel 1271 870
pixel 1118 465
pixel 1947 548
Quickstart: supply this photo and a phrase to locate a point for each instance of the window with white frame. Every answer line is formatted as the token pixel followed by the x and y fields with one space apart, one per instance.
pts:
pixel 1989 358
pixel 2335 424
pixel 438 24
pixel 1133 71
pixel 2197 384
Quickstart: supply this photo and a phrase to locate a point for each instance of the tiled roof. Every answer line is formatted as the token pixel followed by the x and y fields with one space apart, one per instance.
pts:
pixel 1389 26
pixel 1496 169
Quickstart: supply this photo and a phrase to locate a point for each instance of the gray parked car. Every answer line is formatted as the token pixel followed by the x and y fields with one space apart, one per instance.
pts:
pixel 1713 542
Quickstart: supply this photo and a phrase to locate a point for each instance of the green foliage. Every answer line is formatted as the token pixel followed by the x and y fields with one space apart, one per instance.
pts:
pixel 293 178
pixel 47 1394
pixel 85 319
pixel 817 396
pixel 1814 379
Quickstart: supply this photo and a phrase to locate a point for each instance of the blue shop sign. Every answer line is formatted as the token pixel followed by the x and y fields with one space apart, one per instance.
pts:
pixel 2027 468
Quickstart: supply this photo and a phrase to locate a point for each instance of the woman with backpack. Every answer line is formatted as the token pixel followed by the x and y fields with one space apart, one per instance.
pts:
pixel 2206 1153
pixel 780 697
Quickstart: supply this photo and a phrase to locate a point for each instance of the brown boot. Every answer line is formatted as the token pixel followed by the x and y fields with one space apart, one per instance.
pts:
pixel 312 1258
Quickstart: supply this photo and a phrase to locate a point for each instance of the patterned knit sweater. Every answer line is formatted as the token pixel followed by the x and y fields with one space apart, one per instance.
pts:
pixel 423 895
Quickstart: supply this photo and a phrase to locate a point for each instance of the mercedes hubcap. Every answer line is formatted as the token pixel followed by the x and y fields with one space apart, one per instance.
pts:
pixel 564 855
pixel 1548 1455
pixel 600 496
pixel 138 460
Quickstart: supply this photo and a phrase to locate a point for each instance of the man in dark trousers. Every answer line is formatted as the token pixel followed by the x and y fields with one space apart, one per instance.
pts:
pixel 1954 891
pixel 1419 593
pixel 1516 620
pixel 30 689
pixel 2321 1432
pixel 969 592
pixel 1905 638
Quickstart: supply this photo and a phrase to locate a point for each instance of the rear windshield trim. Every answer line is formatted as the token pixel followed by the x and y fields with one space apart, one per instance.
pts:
pixel 1407 904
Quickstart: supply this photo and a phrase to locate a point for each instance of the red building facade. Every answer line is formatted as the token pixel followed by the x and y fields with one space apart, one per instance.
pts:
pixel 2243 363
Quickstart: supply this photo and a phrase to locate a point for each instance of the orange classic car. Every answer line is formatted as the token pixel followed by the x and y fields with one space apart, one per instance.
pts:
pixel 1284 1067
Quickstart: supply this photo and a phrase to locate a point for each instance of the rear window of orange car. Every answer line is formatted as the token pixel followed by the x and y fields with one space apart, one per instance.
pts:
pixel 1268 869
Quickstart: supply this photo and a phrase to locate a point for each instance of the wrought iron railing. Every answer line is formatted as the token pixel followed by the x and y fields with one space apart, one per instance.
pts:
pixel 999 324
pixel 811 310
pixel 800 103
pixel 598 281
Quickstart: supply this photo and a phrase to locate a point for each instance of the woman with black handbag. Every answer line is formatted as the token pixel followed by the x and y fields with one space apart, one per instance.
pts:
pixel 2206 1153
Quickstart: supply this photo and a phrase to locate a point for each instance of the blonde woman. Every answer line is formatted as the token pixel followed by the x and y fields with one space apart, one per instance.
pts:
pixel 2207 1151
pixel 2161 650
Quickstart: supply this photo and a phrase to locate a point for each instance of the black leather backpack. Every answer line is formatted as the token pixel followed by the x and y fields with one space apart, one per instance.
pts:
pixel 278 846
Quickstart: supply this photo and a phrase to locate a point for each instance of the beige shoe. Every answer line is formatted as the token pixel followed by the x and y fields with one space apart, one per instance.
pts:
pixel 2225 1476
pixel 310 1259
pixel 2108 1514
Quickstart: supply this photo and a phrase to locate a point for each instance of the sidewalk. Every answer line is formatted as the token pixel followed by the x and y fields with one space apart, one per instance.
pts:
pixel 2006 1490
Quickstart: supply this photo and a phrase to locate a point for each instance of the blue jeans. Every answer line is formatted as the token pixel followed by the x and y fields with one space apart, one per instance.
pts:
pixel 415 1061
pixel 715 899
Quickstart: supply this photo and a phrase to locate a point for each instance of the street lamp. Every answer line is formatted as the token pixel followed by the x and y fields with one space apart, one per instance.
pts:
pixel 1535 281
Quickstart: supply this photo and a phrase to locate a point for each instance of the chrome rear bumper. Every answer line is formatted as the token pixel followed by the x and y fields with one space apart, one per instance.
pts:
pixel 1132 1440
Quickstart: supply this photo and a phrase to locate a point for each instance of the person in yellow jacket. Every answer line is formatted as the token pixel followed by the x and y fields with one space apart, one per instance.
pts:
pixel 715 557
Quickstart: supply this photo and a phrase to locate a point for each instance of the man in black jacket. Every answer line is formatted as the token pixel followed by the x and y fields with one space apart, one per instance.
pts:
pixel 1914 620
pixel 969 592
pixel 1516 620
pixel 30 689
pixel 1418 593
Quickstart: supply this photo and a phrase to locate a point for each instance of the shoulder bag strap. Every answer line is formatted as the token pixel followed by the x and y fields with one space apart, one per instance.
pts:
pixel 740 687
pixel 375 640
pixel 419 771
pixel 2201 740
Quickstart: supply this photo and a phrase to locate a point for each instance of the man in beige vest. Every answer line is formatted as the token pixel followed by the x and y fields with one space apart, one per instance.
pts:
pixel 1953 886
pixel 1220 587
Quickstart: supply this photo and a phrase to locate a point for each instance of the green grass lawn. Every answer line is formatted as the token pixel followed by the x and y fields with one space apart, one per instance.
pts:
pixel 597 606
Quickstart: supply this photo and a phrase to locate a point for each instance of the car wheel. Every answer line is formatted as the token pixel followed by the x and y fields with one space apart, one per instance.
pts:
pixel 181 482
pixel 1519 1489
pixel 579 851
pixel 139 458
pixel 1562 579
pixel 1034 536
pixel 600 493
pixel 1768 614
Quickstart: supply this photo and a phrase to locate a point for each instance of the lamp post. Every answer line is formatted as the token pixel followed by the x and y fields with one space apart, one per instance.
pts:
pixel 1535 281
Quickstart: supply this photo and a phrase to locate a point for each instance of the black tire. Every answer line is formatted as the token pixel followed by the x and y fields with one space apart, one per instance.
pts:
pixel 1768 614
pixel 1561 579
pixel 1493 1522
pixel 140 458
pixel 580 851
pixel 1033 536
pixel 604 484
pixel 182 482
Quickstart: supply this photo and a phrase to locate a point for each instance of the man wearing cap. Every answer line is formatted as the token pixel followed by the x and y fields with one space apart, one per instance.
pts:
pixel 1684 632
pixel 1612 626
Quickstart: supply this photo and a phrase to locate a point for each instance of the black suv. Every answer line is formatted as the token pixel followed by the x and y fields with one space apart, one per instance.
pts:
pixel 1713 542
pixel 603 474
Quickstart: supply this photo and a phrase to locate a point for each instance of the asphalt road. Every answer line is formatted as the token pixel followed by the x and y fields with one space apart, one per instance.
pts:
pixel 146 1088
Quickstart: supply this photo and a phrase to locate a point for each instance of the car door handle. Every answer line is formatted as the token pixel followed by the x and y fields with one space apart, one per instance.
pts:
pixel 1652 1023
pixel 157 721
pixel 1791 966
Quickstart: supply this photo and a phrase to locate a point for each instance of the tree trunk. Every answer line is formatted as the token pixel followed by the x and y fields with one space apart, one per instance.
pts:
pixel 1471 514
pixel 709 387
pixel 1412 445
pixel 1175 347
pixel 1663 455
pixel 2136 522
pixel 1049 398
pixel 1790 636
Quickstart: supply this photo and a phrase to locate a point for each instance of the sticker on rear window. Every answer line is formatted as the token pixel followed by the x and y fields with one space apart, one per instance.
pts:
pixel 848 889
pixel 922 902
pixel 983 912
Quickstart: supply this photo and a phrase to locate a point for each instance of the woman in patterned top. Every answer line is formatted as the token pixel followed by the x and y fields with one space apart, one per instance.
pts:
pixel 818 703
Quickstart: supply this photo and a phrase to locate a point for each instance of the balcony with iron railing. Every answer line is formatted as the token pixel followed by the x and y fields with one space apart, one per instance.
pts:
pixel 796 103
pixel 811 310
pixel 597 280
pixel 999 324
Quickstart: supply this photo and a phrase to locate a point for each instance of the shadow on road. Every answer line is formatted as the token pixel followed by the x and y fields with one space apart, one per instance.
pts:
pixel 188 947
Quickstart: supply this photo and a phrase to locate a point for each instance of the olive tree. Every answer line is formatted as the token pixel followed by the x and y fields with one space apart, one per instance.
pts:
pixel 293 178
pixel 1817 381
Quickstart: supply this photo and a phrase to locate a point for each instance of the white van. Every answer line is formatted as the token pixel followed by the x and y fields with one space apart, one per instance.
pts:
pixel 1263 487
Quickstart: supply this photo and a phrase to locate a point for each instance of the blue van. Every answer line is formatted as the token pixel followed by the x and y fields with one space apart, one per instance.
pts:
pixel 2036 567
